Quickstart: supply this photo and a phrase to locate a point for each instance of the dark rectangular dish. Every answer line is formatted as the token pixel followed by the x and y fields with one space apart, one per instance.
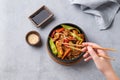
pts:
pixel 41 16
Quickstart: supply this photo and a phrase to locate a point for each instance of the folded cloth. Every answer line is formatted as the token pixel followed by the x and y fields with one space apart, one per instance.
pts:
pixel 104 11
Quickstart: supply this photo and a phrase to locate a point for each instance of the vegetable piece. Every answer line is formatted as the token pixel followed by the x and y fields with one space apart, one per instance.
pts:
pixel 66 53
pixel 53 33
pixel 60 30
pixel 75 31
pixel 53 47
pixel 59 48
pixel 70 27
pixel 81 41
pixel 82 36
pixel 66 40
pixel 71 38
pixel 76 36
pixel 70 43
pixel 56 36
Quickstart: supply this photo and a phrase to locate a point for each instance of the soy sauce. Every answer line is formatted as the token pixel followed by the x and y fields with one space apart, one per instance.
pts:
pixel 41 16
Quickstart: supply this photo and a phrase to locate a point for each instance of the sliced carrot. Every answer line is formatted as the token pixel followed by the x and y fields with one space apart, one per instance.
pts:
pixel 66 53
pixel 60 30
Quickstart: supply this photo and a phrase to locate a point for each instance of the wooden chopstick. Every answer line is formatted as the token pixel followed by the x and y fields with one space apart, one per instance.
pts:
pixel 74 45
pixel 109 49
pixel 95 47
pixel 74 48
pixel 106 57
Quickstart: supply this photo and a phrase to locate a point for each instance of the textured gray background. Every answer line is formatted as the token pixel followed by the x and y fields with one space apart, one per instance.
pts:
pixel 19 61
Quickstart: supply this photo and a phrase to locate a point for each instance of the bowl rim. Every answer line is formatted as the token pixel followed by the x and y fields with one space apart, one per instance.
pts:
pixel 50 51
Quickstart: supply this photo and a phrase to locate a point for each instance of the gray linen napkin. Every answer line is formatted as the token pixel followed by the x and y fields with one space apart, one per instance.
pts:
pixel 104 11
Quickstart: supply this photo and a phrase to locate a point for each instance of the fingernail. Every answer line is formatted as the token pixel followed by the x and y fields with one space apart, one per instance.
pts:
pixel 83 43
pixel 85 60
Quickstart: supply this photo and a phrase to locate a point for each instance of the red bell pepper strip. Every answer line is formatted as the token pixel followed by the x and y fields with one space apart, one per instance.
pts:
pixel 53 33
pixel 60 30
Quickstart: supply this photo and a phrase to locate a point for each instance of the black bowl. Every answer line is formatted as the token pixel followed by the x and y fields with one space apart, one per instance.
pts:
pixel 54 57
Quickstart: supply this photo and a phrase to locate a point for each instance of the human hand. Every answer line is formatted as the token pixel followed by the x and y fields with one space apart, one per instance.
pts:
pixel 101 63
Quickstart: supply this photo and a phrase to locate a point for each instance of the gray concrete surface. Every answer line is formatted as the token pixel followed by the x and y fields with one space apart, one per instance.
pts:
pixel 19 61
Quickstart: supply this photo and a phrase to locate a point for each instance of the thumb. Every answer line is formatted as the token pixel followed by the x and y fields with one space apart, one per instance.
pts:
pixel 92 53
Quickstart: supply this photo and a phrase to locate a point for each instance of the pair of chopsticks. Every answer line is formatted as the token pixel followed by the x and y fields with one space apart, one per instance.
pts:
pixel 94 47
